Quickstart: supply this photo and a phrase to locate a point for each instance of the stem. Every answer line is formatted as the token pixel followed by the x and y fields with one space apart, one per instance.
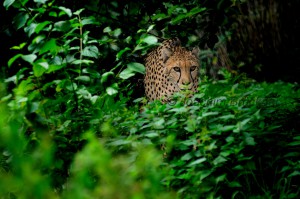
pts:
pixel 80 43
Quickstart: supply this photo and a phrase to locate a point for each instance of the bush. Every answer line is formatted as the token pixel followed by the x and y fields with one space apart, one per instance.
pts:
pixel 230 140
pixel 74 124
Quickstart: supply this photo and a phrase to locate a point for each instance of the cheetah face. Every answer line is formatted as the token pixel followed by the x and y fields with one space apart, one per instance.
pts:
pixel 182 74
pixel 171 68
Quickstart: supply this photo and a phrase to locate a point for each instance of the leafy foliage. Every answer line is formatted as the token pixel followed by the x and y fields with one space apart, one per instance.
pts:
pixel 74 123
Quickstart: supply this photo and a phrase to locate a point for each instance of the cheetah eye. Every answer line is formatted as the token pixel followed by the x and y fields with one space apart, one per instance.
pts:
pixel 177 69
pixel 193 68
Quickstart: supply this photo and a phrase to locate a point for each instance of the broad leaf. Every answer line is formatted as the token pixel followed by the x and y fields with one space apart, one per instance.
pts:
pixel 107 29
pixel 53 68
pixel 89 20
pixel 49 46
pixel 136 67
pixel 63 26
pixel 78 11
pixel 111 91
pixel 121 52
pixel 65 11
pixel 30 29
pixel 29 58
pixel 117 32
pixel 150 40
pixel 91 51
pixel 127 73
pixel 38 70
pixel 20 20
pixel 8 3
pixel 41 26
pixel 19 47
pixel 198 161
pixel 83 78
pixel 84 61
pixel 13 59
pixel 105 76
pixel 41 1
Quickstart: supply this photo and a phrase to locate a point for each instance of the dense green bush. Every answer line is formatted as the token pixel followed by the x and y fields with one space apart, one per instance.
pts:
pixel 74 123
pixel 232 139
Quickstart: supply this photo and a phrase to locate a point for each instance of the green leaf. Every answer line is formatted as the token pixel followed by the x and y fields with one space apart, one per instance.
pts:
pixel 127 73
pixel 117 32
pixel 136 67
pixel 53 68
pixel 187 156
pixel 121 52
pixel 120 142
pixel 150 40
pixel 8 3
pixel 159 16
pixel 90 20
pixel 107 29
pixel 178 19
pixel 23 88
pixel 78 11
pixel 49 46
pixel 250 141
pixel 294 143
pixel 191 125
pixel 30 29
pixel 91 51
pixel 195 11
pixel 63 26
pixel 29 58
pixel 227 128
pixel 219 160
pixel 52 14
pixel 179 110
pixel 198 161
pixel 159 124
pixel 41 26
pixel 20 20
pixel 13 59
pixel 44 64
pixel 38 69
pixel 84 93
pixel 150 27
pixel 41 1
pixel 21 46
pixel 151 135
pixel 235 184
pixel 105 76
pixel 83 78
pixel 221 178
pixel 227 117
pixel 204 174
pixel 84 61
pixel 111 91
pixel 209 114
pixel 65 10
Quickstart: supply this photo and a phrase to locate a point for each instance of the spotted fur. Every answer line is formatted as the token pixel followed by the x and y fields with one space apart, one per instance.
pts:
pixel 170 68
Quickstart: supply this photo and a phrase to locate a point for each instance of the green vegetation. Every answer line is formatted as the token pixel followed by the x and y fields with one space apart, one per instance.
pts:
pixel 75 123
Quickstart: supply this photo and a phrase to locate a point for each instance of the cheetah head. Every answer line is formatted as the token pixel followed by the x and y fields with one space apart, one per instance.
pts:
pixel 181 69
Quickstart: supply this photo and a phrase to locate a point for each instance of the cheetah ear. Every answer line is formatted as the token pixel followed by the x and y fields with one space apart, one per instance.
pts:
pixel 196 52
pixel 166 54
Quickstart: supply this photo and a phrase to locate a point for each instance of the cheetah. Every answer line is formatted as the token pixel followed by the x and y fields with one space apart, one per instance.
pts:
pixel 170 68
